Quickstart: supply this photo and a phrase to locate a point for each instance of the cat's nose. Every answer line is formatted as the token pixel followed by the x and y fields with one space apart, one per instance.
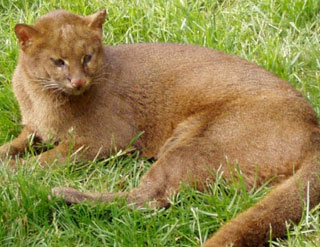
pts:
pixel 78 83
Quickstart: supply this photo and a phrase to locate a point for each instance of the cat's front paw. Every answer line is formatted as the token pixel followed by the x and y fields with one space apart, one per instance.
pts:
pixel 11 164
pixel 4 150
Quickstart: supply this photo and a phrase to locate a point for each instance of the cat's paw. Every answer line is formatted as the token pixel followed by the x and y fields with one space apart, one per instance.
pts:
pixel 4 152
pixel 11 164
pixel 70 195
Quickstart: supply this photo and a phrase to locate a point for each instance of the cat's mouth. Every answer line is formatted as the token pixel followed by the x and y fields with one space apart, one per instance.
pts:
pixel 76 91
pixel 66 86
pixel 76 87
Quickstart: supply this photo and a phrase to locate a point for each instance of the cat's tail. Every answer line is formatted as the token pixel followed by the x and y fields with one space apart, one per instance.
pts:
pixel 285 203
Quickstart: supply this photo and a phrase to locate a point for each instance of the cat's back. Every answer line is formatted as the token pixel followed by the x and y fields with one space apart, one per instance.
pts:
pixel 186 64
pixel 190 78
pixel 190 73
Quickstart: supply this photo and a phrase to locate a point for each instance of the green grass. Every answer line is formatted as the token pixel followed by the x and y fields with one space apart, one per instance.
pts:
pixel 280 35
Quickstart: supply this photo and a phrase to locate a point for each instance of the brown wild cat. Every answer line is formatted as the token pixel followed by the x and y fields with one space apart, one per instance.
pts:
pixel 199 109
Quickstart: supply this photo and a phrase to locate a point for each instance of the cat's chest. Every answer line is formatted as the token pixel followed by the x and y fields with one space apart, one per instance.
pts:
pixel 48 121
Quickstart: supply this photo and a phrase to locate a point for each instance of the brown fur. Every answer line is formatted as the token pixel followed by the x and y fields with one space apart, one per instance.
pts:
pixel 199 109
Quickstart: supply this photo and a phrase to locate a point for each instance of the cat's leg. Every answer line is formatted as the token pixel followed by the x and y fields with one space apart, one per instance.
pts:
pixel 19 145
pixel 62 153
pixel 57 154
pixel 161 181
pixel 184 158
pixel 66 152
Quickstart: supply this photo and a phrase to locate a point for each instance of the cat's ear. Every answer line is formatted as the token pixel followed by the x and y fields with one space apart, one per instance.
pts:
pixel 97 19
pixel 26 35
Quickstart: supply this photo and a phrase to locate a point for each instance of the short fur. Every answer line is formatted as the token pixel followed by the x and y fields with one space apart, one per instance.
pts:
pixel 200 109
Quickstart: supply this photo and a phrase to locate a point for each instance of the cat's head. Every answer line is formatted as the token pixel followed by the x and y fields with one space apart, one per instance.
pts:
pixel 63 51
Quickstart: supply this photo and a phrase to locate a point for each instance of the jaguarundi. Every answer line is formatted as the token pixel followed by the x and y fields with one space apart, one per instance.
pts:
pixel 200 110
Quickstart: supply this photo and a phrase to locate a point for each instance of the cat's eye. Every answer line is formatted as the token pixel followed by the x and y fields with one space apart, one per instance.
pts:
pixel 86 59
pixel 58 62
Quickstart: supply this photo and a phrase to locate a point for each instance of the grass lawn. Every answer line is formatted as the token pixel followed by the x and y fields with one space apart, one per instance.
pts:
pixel 280 35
